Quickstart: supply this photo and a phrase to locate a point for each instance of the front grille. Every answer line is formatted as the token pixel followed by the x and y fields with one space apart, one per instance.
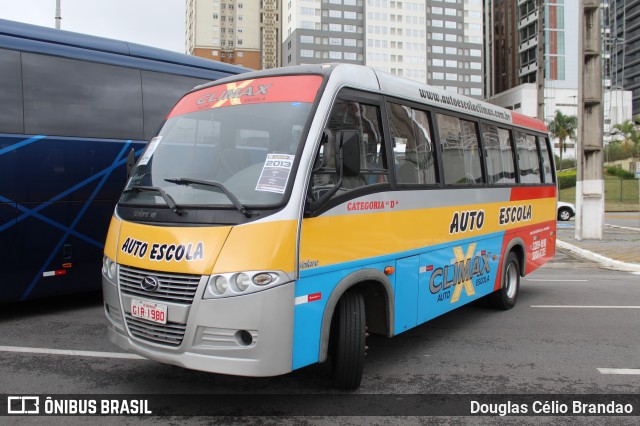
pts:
pixel 177 288
pixel 169 334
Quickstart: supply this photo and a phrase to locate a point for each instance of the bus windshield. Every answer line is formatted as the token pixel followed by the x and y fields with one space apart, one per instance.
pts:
pixel 209 157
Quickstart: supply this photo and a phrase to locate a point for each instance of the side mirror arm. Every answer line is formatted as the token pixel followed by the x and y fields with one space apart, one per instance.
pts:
pixel 131 162
pixel 315 205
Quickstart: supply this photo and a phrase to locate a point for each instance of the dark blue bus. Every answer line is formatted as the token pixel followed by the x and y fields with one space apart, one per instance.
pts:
pixel 73 110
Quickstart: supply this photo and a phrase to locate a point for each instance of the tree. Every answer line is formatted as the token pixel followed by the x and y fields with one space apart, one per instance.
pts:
pixel 563 127
pixel 630 132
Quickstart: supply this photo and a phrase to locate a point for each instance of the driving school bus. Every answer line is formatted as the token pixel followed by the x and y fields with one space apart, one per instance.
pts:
pixel 280 216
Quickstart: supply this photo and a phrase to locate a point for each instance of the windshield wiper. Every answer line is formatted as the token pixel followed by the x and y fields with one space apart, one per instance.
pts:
pixel 209 183
pixel 166 197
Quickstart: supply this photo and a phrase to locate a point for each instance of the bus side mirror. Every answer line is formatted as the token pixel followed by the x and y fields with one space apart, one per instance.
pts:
pixel 349 153
pixel 347 146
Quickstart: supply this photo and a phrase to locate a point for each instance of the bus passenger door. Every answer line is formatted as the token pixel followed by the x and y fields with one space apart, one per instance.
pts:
pixel 406 293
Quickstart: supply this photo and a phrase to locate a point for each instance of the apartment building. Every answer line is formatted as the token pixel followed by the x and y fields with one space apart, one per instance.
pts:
pixel 501 44
pixel 318 32
pixel 435 42
pixel 511 37
pixel 455 46
pixel 239 32
pixel 621 47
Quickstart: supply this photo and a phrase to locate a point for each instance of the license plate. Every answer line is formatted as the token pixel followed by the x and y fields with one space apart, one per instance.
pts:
pixel 155 312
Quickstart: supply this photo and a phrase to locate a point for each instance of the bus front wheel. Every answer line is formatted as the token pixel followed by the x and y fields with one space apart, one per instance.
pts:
pixel 506 297
pixel 349 344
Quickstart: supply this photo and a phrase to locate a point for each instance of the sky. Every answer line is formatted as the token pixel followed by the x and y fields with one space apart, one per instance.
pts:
pixel 157 23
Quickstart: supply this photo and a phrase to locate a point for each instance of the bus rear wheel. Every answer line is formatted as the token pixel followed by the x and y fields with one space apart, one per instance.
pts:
pixel 506 297
pixel 349 344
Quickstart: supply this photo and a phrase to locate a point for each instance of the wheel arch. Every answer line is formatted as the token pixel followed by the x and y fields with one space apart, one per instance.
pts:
pixel 518 247
pixel 379 298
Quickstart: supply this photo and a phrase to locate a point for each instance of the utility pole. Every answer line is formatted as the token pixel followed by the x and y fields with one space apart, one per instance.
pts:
pixel 58 15
pixel 540 61
pixel 590 174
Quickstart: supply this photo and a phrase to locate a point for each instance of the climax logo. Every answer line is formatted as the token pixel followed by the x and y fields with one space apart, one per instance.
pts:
pixel 460 274
pixel 233 94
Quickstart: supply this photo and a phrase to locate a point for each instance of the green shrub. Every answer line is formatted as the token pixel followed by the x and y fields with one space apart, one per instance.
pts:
pixel 567 163
pixel 566 179
pixel 621 173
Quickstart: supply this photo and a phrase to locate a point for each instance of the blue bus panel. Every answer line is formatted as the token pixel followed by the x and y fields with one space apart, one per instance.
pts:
pixel 69 117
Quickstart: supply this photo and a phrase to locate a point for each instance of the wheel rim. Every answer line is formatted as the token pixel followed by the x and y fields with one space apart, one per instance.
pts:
pixel 564 215
pixel 511 280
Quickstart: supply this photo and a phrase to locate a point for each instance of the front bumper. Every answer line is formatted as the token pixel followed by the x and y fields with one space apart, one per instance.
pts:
pixel 212 331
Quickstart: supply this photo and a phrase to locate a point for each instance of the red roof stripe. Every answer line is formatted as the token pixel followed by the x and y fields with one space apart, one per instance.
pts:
pixel 526 121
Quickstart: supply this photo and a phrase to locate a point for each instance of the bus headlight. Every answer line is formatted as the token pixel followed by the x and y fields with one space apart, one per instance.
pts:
pixel 245 282
pixel 242 282
pixel 109 268
pixel 220 285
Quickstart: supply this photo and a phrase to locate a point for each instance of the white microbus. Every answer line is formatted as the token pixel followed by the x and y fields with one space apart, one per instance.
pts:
pixel 279 216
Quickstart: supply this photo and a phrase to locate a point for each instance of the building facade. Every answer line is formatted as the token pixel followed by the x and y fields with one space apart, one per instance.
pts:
pixel 512 71
pixel 270 33
pixel 501 45
pixel 523 98
pixel 396 35
pixel 434 42
pixel 239 32
pixel 511 35
pixel 621 47
pixel 316 32
pixel 455 42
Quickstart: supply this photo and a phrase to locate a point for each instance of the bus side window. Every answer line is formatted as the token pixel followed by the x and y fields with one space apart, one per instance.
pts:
pixel 11 116
pixel 460 152
pixel 546 160
pixel 528 160
pixel 412 145
pixel 366 120
pixel 499 155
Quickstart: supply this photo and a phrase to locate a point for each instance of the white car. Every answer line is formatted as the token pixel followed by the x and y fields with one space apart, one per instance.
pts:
pixel 566 210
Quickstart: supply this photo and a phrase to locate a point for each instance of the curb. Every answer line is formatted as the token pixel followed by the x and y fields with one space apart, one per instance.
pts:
pixel 605 261
pixel 628 228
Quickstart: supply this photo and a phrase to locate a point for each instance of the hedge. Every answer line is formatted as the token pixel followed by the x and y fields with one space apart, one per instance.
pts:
pixel 566 179
pixel 621 173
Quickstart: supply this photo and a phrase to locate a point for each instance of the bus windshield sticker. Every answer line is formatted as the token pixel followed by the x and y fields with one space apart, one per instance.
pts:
pixel 275 173
pixel 153 144
pixel 298 88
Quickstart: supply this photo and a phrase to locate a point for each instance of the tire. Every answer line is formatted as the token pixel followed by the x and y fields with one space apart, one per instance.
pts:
pixel 349 344
pixel 506 297
pixel 564 214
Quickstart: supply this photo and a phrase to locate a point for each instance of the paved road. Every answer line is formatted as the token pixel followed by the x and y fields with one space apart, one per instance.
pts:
pixel 629 219
pixel 567 325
